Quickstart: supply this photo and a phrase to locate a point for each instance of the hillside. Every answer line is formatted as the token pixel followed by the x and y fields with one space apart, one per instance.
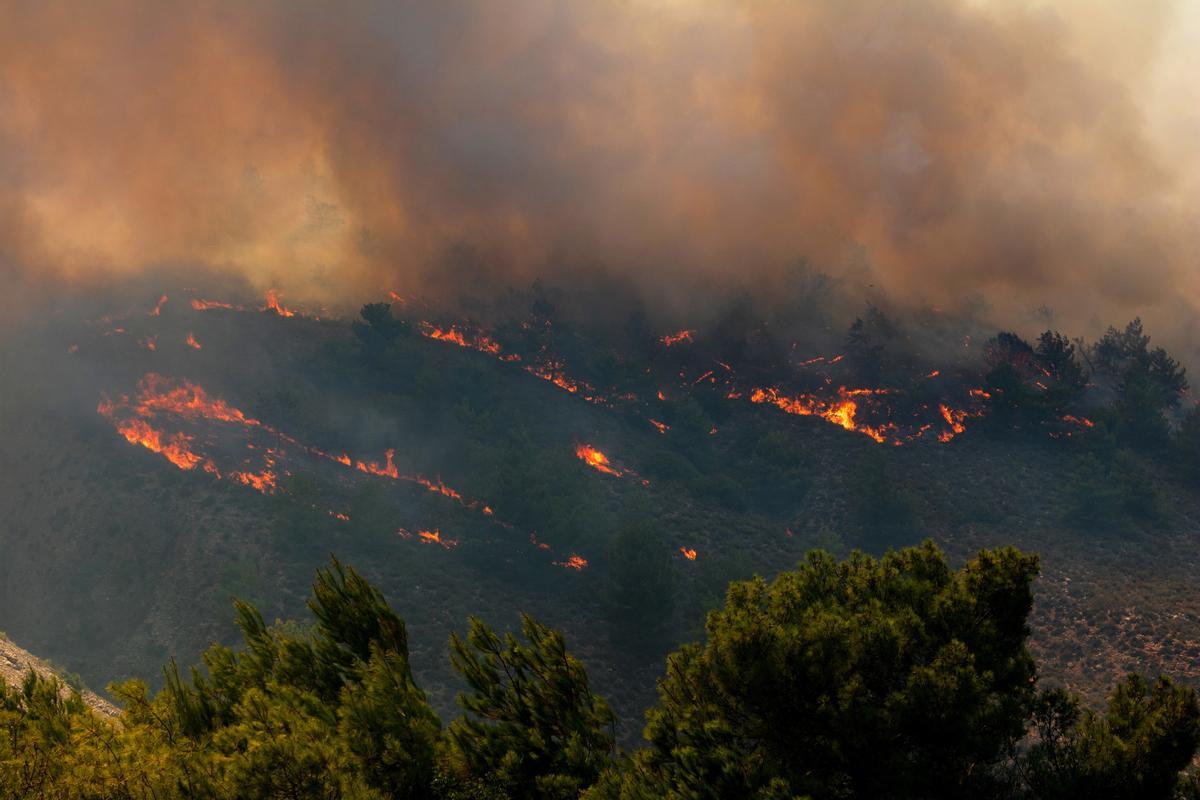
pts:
pixel 603 478
pixel 16 663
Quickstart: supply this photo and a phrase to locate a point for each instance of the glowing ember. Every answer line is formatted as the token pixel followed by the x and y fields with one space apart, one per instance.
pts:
pixel 688 553
pixel 574 562
pixel 596 460
pixel 672 339
pixel 191 341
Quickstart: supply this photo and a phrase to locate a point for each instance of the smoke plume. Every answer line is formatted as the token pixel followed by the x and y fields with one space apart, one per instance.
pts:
pixel 935 149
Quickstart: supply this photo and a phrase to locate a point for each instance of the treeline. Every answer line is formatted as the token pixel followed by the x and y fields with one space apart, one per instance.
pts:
pixel 896 677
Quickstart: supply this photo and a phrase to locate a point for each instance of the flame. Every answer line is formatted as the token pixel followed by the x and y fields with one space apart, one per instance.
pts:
pixel 475 341
pixel 156 394
pixel 595 459
pixel 191 341
pixel 934 373
pixel 980 394
pixel 681 337
pixel 208 305
pixel 840 412
pixel 1083 422
pixel 387 470
pixel 176 448
pixel 443 489
pixel 539 545
pixel 954 418
pixel 575 562
pixel 688 553
pixel 157 310
pixel 552 371
pixel 340 515
pixel 264 481
pixel 435 537
pixel 272 304
pixel 149 343
pixel 661 426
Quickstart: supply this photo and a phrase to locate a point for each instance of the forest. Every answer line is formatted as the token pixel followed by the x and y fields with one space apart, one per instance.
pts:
pixel 892 677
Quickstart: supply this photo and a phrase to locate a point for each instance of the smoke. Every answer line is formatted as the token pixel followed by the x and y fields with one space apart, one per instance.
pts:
pixel 1033 154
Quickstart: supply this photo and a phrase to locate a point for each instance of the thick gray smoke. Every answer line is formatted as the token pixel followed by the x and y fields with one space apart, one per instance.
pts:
pixel 1029 153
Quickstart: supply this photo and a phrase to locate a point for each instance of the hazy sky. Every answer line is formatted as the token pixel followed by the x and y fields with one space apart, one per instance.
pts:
pixel 1039 152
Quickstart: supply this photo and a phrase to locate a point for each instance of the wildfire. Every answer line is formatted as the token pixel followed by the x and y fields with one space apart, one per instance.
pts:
pixel 272 304
pixel 191 341
pixel 475 341
pixel 840 412
pixel 435 537
pixel 157 310
pixel 264 481
pixel 954 418
pixel 387 470
pixel 156 394
pixel 681 337
pixel 596 460
pixel 688 553
pixel 176 448
pixel 575 562
pixel 209 305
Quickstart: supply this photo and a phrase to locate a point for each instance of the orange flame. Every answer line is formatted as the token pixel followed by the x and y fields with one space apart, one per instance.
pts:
pixel 452 334
pixel 264 481
pixel 840 412
pixel 688 553
pixel 574 562
pixel 157 310
pixel 208 305
pixel 661 426
pixel 954 418
pixel 176 448
pixel 272 301
pixel 435 537
pixel 191 341
pixel 672 339
pixel 595 459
